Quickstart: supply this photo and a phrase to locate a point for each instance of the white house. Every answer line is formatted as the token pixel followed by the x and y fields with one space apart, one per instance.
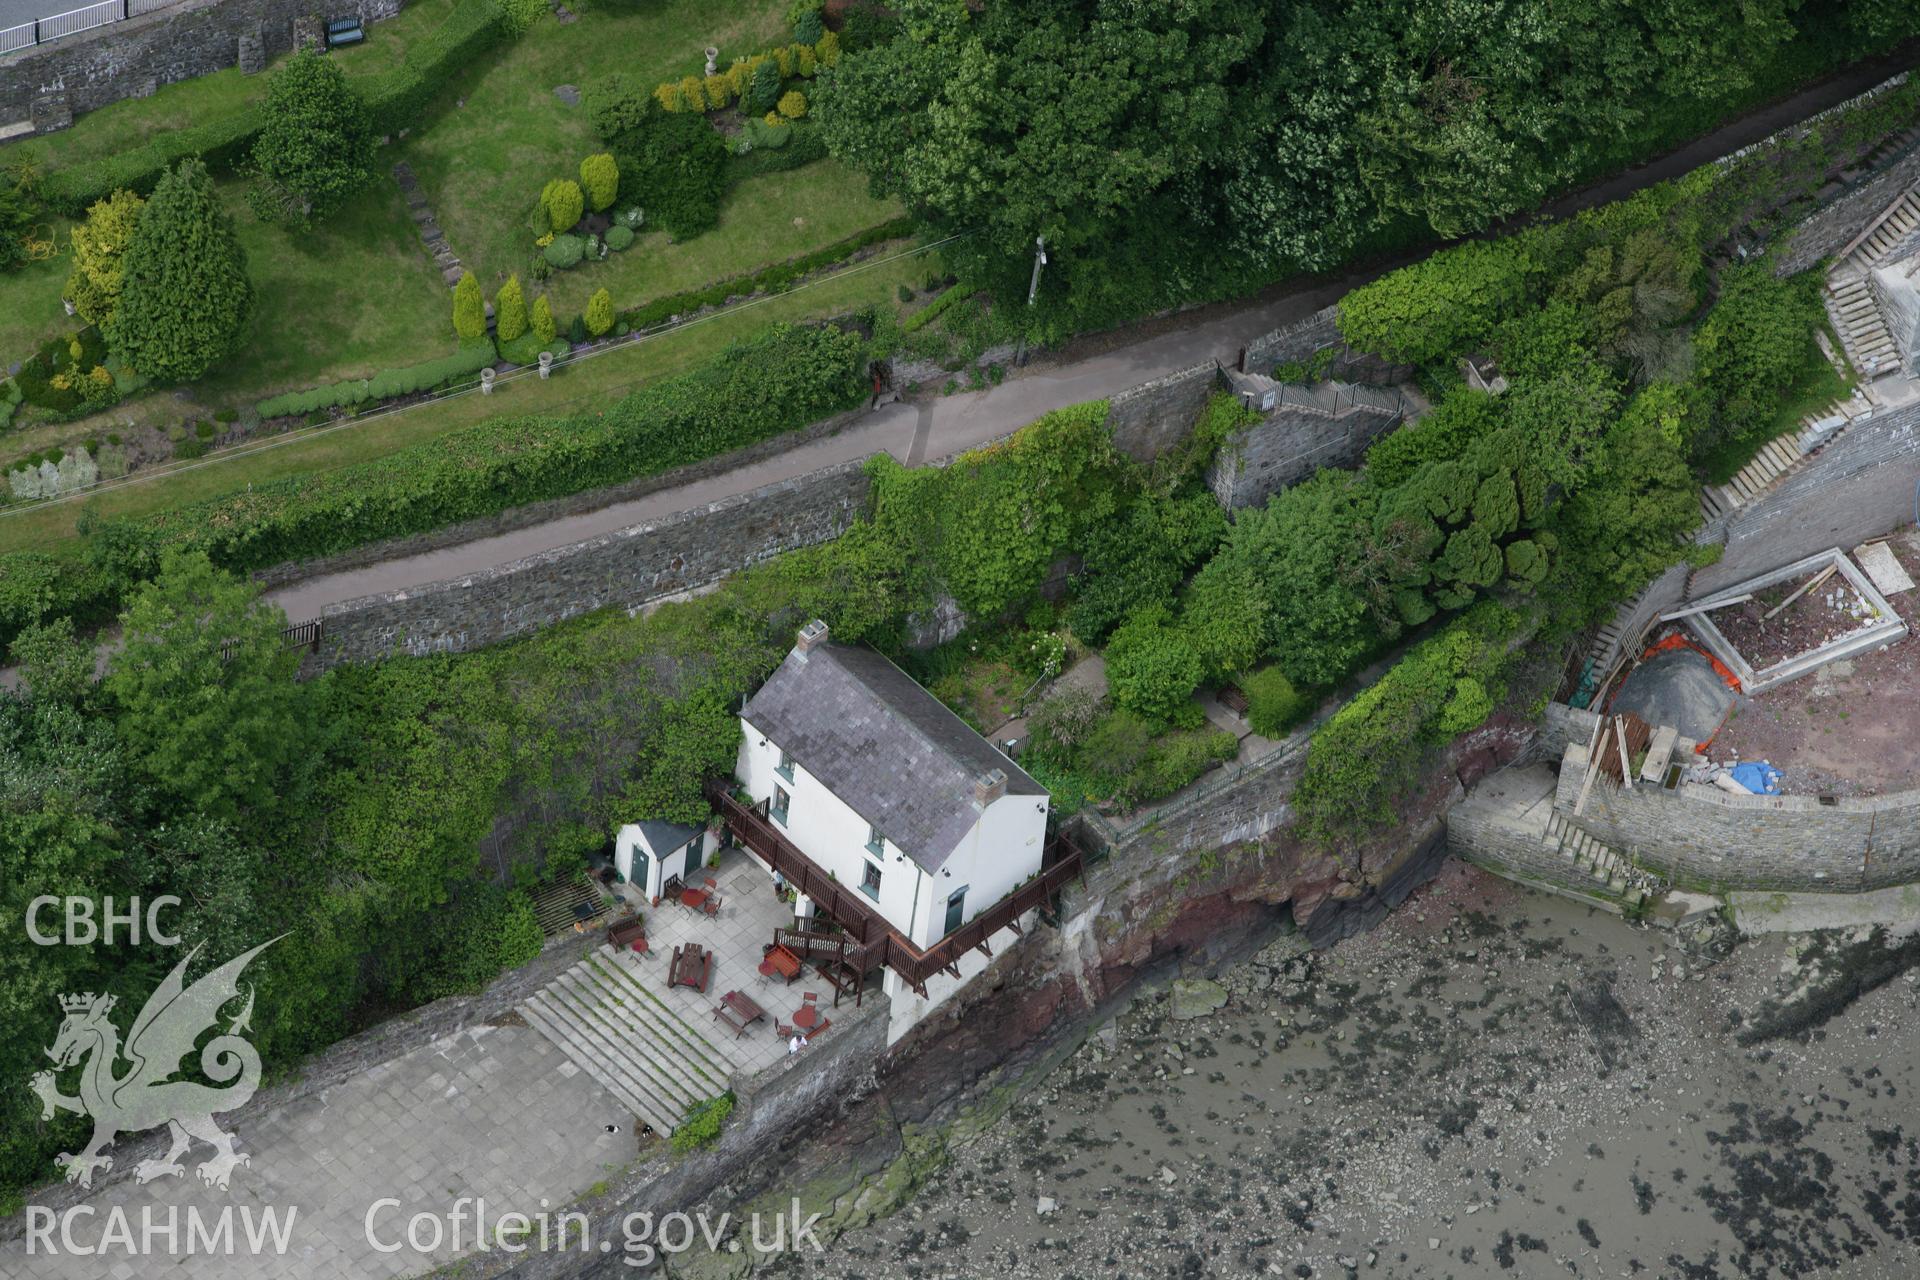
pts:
pixel 878 783
pixel 648 854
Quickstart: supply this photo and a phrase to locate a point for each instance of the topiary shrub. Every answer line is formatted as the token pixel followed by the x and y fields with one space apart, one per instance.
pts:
pixel 599 316
pixel 469 310
pixel 577 331
pixel 600 179
pixel 542 321
pixel 792 104
pixel 619 237
pixel 565 252
pixel 763 91
pixel 564 203
pixel 509 311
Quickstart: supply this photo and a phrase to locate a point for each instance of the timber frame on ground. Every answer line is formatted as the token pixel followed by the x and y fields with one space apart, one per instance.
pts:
pixel 1886 629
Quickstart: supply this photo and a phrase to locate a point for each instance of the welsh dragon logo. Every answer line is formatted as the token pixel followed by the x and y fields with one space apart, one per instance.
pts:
pixel 146 1095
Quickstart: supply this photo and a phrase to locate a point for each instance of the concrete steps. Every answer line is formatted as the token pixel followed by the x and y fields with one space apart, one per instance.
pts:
pixel 644 1053
pixel 1856 318
pixel 1599 863
pixel 1899 223
pixel 1779 458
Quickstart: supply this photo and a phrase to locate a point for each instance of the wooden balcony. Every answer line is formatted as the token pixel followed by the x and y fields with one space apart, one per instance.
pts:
pixel 878 942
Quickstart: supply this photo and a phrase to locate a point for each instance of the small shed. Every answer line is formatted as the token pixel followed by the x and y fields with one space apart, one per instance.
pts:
pixel 649 853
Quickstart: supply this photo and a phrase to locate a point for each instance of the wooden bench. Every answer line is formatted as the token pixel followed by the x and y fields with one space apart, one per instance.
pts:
pixel 778 962
pixel 631 932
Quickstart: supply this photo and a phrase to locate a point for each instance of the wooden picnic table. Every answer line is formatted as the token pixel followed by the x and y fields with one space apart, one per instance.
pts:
pixel 738 1011
pixel 692 967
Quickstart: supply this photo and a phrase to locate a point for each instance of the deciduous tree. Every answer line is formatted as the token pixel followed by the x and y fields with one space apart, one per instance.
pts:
pixel 315 148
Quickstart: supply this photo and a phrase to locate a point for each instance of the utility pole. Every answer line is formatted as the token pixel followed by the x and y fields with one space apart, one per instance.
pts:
pixel 1039 261
pixel 1033 291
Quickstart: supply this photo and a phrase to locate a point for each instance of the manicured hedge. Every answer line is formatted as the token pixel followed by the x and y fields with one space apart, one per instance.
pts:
pixel 931 312
pixel 388 383
pixel 774 278
pixel 395 100
pixel 783 379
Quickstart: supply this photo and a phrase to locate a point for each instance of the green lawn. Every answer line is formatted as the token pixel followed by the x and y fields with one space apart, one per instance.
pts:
pixel 30 309
pixel 763 220
pixel 595 381
pixel 346 300
pixel 483 164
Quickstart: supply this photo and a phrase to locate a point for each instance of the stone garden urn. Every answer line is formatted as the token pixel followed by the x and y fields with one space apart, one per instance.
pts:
pixel 486 382
pixel 713 59
pixel 546 363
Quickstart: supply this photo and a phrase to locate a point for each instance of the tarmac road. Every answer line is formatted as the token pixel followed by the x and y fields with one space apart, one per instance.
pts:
pixel 1088 369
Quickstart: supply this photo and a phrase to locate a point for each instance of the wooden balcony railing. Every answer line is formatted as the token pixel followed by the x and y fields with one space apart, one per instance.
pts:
pixel 880 942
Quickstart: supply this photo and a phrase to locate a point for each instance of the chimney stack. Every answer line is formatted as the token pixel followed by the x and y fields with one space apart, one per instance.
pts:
pixel 989 786
pixel 814 633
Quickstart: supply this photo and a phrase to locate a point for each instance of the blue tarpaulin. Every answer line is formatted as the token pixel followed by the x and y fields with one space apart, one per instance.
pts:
pixel 1758 777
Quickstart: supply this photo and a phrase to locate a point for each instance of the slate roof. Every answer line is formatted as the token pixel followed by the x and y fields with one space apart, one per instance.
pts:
pixel 882 744
pixel 665 837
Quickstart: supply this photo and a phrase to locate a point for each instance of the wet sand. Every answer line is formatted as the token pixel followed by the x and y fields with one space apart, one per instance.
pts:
pixel 1494 1083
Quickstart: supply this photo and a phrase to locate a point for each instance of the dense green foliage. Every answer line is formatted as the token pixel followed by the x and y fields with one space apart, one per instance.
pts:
pixel 701 1127
pixel 674 161
pixel 469 309
pixel 1169 152
pixel 184 293
pixel 315 145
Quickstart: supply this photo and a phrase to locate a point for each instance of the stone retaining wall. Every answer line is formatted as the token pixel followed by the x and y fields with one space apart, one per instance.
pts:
pixel 624 569
pixel 1151 418
pixel 1702 836
pixel 131 59
pixel 1288 446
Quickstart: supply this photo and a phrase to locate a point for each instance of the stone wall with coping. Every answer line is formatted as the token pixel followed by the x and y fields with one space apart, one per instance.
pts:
pixel 533 513
pixel 1700 835
pixel 624 569
pixel 1151 418
pixel 1825 232
pixel 132 59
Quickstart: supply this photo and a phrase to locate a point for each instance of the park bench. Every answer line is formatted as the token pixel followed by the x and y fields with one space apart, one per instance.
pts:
pixel 343 31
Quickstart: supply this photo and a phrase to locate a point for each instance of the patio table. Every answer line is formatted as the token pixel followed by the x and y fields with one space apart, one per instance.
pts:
pixel 692 967
pixel 738 1011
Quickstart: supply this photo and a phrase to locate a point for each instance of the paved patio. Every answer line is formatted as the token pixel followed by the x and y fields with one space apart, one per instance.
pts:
pixel 658 1049
pixel 493 1112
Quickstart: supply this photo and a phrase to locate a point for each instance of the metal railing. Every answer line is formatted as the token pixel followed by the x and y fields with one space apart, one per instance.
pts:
pixel 74 21
pixel 880 942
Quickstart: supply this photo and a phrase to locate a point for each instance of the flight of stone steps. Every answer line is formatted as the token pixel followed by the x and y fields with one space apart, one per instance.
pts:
pixel 645 1054
pixel 1600 863
pixel 1779 456
pixel 1849 297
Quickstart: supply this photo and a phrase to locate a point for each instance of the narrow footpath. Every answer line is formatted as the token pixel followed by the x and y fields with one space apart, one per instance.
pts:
pixel 1100 365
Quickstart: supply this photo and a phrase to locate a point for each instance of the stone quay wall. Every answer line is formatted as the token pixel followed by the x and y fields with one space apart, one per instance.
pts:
pixel 624 569
pixel 1701 836
pixel 132 59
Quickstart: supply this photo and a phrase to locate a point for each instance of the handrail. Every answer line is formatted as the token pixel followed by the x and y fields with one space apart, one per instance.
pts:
pixel 880 942
pixel 28 35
